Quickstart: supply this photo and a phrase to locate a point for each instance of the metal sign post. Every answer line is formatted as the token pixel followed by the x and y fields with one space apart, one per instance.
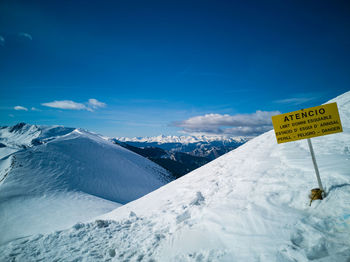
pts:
pixel 315 164
pixel 304 124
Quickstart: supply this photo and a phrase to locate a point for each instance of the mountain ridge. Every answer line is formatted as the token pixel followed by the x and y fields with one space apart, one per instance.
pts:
pixel 181 158
pixel 58 176
pixel 162 139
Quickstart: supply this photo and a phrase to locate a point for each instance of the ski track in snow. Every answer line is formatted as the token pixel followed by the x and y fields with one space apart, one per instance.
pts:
pixel 248 205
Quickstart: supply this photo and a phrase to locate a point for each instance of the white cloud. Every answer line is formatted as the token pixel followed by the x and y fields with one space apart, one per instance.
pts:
pixel 25 35
pixel 71 105
pixel 35 109
pixel 235 125
pixel 20 108
pixel 94 103
pixel 298 99
pixel 2 41
pixel 66 104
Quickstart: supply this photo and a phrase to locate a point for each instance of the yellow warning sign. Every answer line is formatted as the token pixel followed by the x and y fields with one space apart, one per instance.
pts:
pixel 307 123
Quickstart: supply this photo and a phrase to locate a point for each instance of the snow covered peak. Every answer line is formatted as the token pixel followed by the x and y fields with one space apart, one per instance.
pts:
pixel 23 134
pixel 162 139
pixel 65 175
pixel 20 135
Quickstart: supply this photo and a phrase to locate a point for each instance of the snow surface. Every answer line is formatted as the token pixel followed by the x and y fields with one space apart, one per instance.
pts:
pixel 67 175
pixel 249 205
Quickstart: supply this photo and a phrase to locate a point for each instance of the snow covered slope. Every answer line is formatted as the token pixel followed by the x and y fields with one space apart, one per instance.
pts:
pixel 248 205
pixel 65 175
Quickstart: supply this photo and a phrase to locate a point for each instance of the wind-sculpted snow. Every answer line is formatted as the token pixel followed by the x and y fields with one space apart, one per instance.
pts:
pixel 248 205
pixel 66 176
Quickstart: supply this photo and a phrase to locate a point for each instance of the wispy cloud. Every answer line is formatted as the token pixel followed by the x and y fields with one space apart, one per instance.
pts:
pixel 25 35
pixel 18 108
pixel 20 35
pixel 71 105
pixel 94 103
pixel 35 109
pixel 2 41
pixel 298 99
pixel 65 104
pixel 233 125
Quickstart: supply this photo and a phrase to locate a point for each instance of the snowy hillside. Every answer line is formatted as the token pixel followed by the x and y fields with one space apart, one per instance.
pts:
pixel 248 205
pixel 59 176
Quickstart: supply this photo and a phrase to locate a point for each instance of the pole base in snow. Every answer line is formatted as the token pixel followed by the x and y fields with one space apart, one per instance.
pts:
pixel 316 193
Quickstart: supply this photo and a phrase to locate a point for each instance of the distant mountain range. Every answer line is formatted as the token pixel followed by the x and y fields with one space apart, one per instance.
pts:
pixel 162 139
pixel 181 154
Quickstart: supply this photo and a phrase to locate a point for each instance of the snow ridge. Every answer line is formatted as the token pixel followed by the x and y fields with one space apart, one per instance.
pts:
pixel 59 176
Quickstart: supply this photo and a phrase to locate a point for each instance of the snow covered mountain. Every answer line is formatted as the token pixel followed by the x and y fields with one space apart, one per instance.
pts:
pixel 210 149
pixel 183 154
pixel 249 205
pixel 180 155
pixel 177 163
pixel 162 139
pixel 52 177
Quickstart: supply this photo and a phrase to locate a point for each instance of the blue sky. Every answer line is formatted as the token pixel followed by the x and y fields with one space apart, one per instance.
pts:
pixel 169 67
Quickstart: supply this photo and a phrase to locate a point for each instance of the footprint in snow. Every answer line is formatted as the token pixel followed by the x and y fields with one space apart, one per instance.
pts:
pixel 199 200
